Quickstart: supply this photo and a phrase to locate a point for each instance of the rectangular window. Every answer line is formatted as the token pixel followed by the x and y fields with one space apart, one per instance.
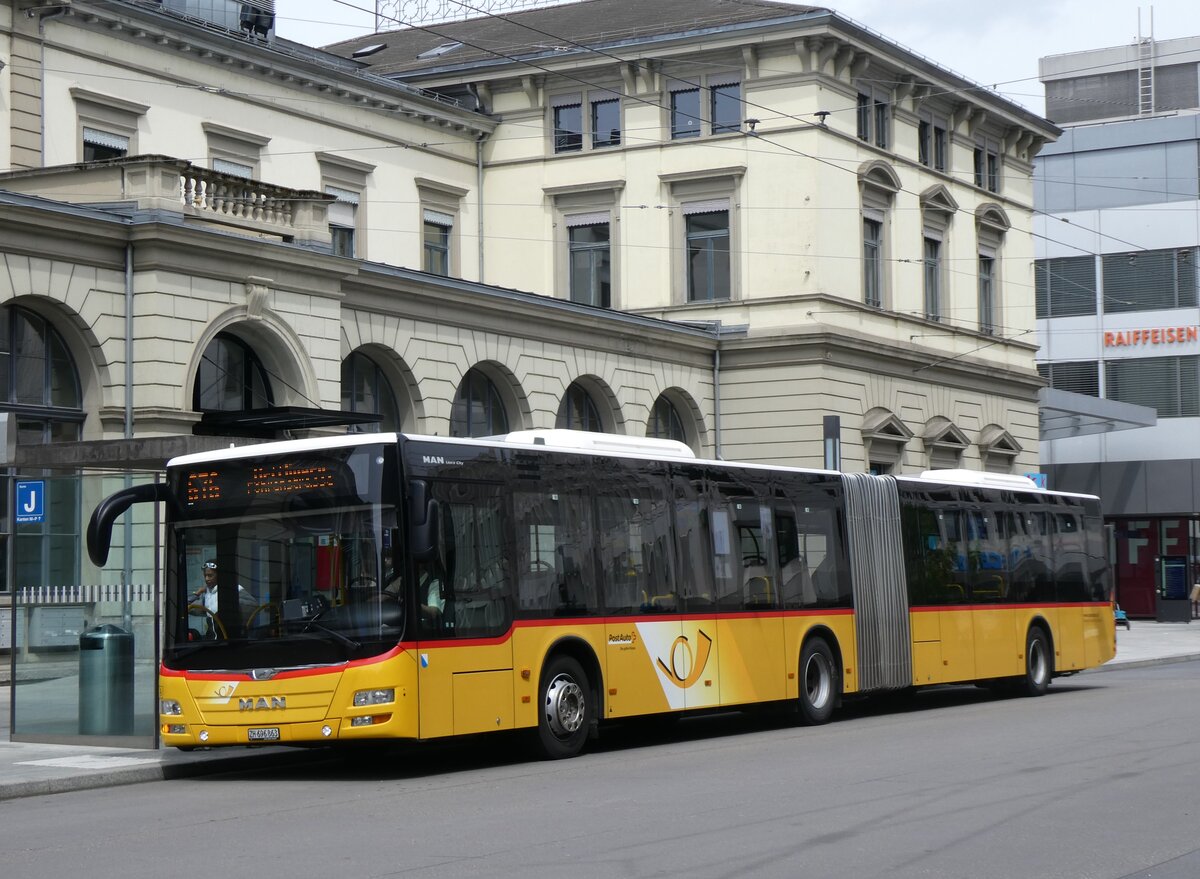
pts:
pixel 932 143
pixel 1149 279
pixel 873 262
pixel 933 278
pixel 1065 286
pixel 99 145
pixel 1170 385
pixel 725 107
pixel 987 165
pixel 987 294
pixel 881 124
pixel 235 169
pixel 1077 377
pixel 606 122
pixel 873 116
pixel 437 229
pixel 708 276
pixel 342 216
pixel 589 255
pixel 685 113
pixel 568 127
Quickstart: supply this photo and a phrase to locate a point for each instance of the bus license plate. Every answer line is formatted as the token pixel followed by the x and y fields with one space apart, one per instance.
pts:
pixel 264 734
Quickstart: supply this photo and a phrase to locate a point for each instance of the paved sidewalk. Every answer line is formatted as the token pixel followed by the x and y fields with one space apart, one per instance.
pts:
pixel 35 769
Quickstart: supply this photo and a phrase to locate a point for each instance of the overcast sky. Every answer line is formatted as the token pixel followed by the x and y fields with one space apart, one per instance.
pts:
pixel 991 43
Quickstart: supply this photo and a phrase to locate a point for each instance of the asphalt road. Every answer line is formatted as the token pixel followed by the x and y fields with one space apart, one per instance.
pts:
pixel 1100 778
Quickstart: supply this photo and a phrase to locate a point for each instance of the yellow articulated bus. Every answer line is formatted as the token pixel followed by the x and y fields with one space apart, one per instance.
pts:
pixel 401 587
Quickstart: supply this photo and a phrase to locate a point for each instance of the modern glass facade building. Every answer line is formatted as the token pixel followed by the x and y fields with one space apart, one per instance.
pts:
pixel 1117 303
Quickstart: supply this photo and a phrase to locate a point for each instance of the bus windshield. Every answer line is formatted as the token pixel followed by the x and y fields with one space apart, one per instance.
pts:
pixel 302 570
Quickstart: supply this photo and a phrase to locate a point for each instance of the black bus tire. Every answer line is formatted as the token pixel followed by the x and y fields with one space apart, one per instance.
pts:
pixel 565 708
pixel 818 682
pixel 1039 663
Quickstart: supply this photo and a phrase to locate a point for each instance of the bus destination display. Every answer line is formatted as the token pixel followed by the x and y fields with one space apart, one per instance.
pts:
pixel 216 486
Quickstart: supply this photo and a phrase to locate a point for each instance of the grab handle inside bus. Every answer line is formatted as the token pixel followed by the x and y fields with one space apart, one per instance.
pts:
pixel 100 525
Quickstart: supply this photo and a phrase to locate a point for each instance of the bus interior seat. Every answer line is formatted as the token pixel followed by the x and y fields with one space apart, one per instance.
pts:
pixel 798 582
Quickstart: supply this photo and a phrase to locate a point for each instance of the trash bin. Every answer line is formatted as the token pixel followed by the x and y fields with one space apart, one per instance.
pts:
pixel 106 682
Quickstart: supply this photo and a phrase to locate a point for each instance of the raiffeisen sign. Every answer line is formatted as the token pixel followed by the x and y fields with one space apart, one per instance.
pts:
pixel 1151 336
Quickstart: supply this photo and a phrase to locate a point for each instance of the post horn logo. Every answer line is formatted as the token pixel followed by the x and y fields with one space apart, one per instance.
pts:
pixel 685 668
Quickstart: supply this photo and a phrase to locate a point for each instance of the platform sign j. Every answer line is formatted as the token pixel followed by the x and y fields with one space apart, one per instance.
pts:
pixel 31 501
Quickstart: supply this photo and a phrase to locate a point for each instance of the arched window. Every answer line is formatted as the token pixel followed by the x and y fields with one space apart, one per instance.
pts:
pixel 231 378
pixel 366 389
pixel 38 379
pixel 665 422
pixel 40 387
pixel 578 411
pixel 478 409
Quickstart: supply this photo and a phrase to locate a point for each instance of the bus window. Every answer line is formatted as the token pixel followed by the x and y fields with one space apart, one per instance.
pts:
pixel 931 554
pixel 987 555
pixel 743 549
pixel 465 589
pixel 633 534
pixel 809 566
pixel 1070 558
pixel 1097 558
pixel 554 558
pixel 695 583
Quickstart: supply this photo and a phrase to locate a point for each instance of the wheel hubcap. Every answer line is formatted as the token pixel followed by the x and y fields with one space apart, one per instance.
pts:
pixel 1037 662
pixel 564 706
pixel 817 681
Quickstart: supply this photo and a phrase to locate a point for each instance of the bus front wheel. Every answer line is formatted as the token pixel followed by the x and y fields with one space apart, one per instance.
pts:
pixel 1039 663
pixel 818 682
pixel 565 709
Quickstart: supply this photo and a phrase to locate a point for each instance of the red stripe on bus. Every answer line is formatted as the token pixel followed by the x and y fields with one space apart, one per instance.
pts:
pixel 929 608
pixel 289 673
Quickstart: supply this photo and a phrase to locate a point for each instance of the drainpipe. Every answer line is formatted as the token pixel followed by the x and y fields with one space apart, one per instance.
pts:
pixel 128 341
pixel 479 196
pixel 717 393
pixel 127 568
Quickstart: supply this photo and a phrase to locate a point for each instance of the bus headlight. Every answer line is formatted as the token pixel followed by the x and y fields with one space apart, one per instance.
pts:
pixel 374 697
pixel 169 707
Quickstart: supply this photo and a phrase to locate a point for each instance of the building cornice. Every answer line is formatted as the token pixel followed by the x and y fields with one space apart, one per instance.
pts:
pixel 288 64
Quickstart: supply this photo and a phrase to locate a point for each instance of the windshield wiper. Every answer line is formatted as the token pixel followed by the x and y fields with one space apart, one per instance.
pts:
pixel 196 647
pixel 336 636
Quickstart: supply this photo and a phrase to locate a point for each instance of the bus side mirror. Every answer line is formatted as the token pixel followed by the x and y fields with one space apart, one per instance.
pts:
pixel 100 525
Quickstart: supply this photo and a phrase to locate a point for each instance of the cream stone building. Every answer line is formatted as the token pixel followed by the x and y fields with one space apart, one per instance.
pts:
pixel 722 222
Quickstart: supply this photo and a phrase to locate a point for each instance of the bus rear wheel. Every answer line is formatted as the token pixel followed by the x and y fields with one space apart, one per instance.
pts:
pixel 818 682
pixel 564 709
pixel 1039 663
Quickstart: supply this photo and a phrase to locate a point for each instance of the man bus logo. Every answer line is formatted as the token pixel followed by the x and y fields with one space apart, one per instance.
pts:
pixel 684 668
pixel 432 459
pixel 262 704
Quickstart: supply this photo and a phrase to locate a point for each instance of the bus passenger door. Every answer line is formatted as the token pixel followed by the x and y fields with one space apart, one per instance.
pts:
pixel 748 627
pixel 464 609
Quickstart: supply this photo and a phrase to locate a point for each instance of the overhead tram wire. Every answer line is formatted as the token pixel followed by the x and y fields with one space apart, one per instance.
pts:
pixel 590 84
pixel 777 113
